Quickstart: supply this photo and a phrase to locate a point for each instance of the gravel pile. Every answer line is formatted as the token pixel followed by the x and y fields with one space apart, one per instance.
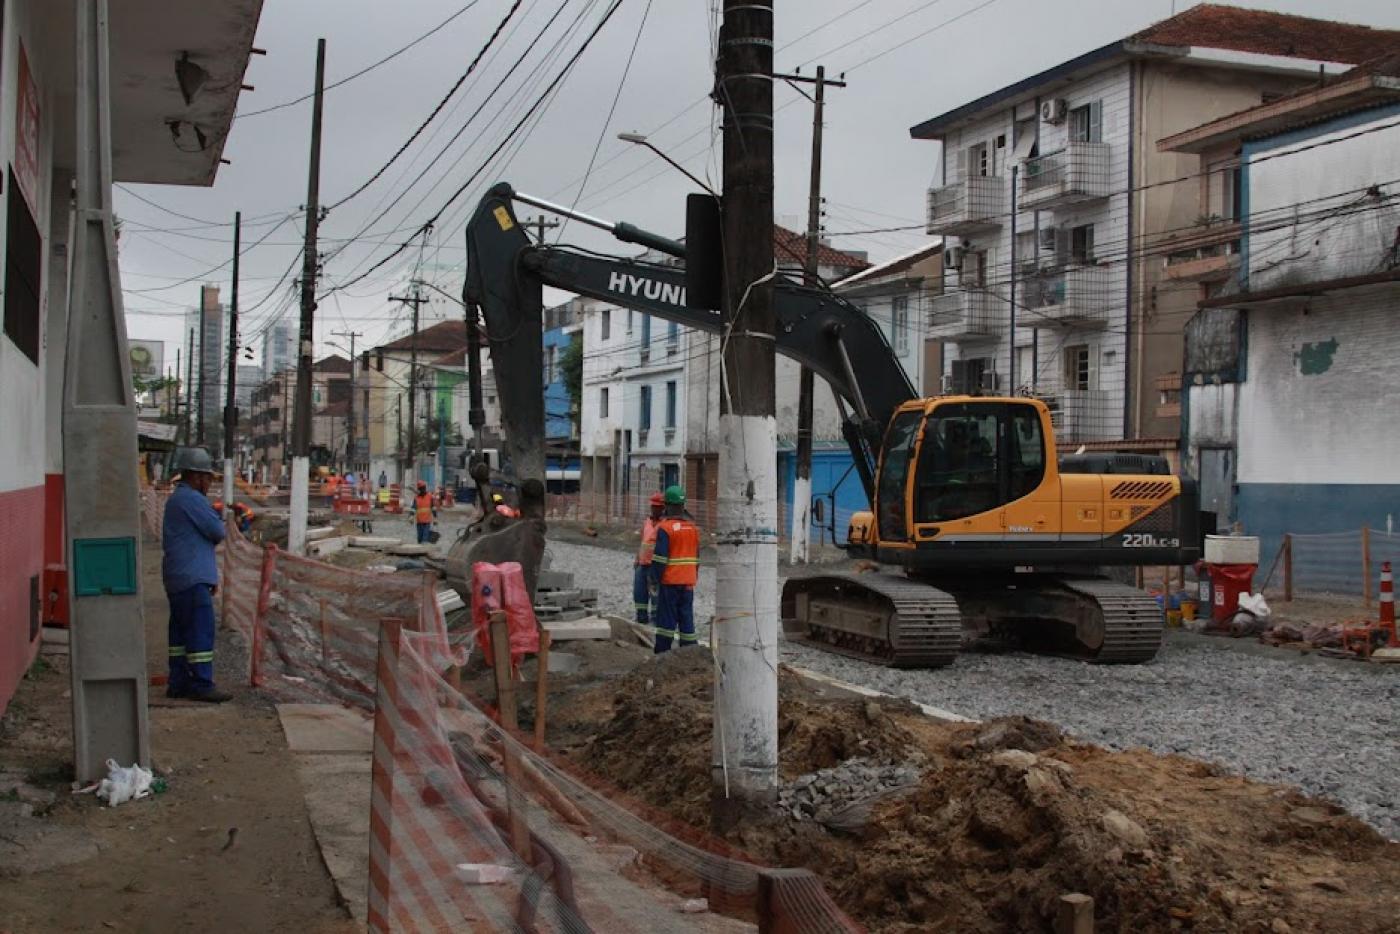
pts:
pixel 1329 728
pixel 841 796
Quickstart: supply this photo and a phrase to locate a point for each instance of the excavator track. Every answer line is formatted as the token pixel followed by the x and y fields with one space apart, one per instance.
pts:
pixel 885 618
pixel 1132 621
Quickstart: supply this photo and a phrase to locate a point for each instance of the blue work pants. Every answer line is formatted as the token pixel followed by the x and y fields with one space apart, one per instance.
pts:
pixel 191 640
pixel 675 616
pixel 641 593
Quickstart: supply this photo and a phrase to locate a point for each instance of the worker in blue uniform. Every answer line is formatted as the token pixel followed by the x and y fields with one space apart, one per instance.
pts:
pixel 189 533
pixel 675 567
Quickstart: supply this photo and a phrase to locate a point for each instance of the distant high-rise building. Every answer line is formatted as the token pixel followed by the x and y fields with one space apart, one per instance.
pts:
pixel 279 348
pixel 207 321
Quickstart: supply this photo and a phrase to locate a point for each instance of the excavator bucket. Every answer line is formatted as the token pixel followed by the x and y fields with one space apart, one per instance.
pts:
pixel 497 539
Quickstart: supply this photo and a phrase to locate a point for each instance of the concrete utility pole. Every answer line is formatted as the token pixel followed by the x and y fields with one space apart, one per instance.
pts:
pixel 230 414
pixel 203 354
pixel 101 506
pixel 301 426
pixel 802 485
pixel 350 442
pixel 745 632
pixel 416 299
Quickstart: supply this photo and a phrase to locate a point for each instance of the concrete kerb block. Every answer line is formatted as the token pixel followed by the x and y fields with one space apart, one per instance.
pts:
pixel 592 627
pixel 324 547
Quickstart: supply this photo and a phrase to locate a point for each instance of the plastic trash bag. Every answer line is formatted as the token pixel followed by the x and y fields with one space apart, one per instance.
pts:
pixel 1255 605
pixel 124 783
pixel 502 587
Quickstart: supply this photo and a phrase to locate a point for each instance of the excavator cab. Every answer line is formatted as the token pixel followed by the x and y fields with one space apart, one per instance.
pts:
pixel 951 467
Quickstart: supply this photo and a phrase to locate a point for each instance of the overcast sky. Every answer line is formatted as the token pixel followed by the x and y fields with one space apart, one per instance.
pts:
pixel 906 60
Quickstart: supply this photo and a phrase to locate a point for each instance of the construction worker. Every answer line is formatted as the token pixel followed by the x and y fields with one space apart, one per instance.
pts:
pixel 641 567
pixel 189 532
pixel 423 513
pixel 675 565
pixel 503 508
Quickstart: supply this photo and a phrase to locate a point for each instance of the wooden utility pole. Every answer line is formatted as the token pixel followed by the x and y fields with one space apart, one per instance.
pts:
pixel 744 761
pixel 416 299
pixel 301 425
pixel 802 486
pixel 230 413
pixel 350 443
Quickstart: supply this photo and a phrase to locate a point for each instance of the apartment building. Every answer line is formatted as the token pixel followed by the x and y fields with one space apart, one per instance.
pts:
pixel 1049 188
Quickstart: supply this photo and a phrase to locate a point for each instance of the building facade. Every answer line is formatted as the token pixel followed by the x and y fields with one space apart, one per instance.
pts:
pixel 1056 204
pixel 1290 370
pixel 40 101
pixel 279 350
pixel 206 323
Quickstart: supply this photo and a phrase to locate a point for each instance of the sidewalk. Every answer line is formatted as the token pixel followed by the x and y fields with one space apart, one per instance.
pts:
pixel 163 863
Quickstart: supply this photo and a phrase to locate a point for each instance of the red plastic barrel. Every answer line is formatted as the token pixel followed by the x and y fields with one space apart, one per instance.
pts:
pixel 1227 582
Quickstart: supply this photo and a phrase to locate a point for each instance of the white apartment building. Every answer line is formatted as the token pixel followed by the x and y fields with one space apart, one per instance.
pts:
pixel 1052 194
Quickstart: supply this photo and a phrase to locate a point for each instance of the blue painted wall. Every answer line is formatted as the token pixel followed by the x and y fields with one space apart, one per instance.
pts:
pixel 1334 511
pixel 831 472
pixel 557 422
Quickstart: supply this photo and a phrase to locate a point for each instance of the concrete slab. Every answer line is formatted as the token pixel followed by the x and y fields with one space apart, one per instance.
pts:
pixel 593 627
pixel 327 546
pixel 325 728
pixel 316 534
pixel 404 548
pixel 449 600
pixel 555 580
pixel 376 543
pixel 337 790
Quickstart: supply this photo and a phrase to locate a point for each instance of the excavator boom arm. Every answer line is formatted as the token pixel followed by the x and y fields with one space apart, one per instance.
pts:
pixel 505 279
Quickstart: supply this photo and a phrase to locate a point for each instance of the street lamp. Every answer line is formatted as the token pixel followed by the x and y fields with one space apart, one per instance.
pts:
pixel 640 139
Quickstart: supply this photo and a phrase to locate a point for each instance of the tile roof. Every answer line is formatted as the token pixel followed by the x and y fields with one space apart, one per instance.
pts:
pixel 335 363
pixel 444 336
pixel 789 245
pixel 1265 32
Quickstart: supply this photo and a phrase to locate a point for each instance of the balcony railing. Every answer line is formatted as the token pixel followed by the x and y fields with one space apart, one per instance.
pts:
pixel 1081 415
pixel 964 313
pixel 1079 172
pixel 971 205
pixel 1079 295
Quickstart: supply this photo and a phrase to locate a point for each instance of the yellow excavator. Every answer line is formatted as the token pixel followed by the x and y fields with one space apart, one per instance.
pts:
pixel 988 534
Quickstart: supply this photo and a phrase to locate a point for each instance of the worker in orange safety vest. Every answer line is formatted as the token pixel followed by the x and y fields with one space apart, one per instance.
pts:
pixel 424 513
pixel 675 566
pixel 641 567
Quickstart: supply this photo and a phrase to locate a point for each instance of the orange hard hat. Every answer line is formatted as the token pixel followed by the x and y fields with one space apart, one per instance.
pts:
pixel 656 500
pixel 422 484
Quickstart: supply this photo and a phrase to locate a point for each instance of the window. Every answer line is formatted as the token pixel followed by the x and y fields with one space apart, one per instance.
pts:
pixel 1078 368
pixel 646 331
pixel 644 416
pixel 1086 123
pixel 1027 454
pixel 1025 139
pixel 894 475
pixel 23 261
pixel 673 336
pixel 606 324
pixel 603 402
pixel 1081 244
pixel 958 470
pixel 671 403
pixel 978 160
pixel 899 324
pixel 550 353
pixel 1223 191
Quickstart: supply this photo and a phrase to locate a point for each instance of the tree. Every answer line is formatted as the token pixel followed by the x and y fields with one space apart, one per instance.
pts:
pixel 571 366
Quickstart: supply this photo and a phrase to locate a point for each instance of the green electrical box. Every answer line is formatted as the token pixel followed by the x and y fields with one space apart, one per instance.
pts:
pixel 103 566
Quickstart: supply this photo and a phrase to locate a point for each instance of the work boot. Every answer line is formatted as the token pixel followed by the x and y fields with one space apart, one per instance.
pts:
pixel 211 696
pixel 173 694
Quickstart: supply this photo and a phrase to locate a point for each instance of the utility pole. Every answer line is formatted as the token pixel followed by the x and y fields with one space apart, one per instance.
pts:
pixel 802 485
pixel 541 224
pixel 350 442
pixel 203 354
pixel 301 427
pixel 415 300
pixel 230 414
pixel 744 760
pixel 175 394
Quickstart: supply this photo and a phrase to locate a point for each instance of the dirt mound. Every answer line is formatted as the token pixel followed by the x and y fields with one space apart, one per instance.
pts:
pixel 664 707
pixel 1007 817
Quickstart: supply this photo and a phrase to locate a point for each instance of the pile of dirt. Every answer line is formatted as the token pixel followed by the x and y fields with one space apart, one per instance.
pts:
pixel 1008 817
pixel 664 707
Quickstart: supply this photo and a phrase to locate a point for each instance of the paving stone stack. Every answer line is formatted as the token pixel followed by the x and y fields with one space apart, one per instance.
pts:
pixel 557 600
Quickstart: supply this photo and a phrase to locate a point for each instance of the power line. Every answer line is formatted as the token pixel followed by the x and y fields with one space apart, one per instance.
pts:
pixel 363 71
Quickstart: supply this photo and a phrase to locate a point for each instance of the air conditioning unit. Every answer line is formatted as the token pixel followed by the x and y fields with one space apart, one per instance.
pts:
pixel 949 387
pixel 1054 110
pixel 953 257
